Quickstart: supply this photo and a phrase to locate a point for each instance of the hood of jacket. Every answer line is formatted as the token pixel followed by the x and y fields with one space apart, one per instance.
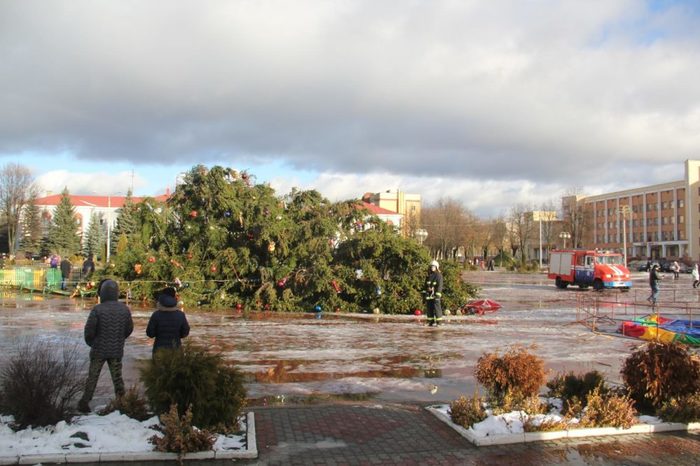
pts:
pixel 109 291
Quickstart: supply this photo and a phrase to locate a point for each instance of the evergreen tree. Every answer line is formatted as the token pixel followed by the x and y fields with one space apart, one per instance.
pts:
pixel 94 238
pixel 32 231
pixel 63 234
pixel 126 223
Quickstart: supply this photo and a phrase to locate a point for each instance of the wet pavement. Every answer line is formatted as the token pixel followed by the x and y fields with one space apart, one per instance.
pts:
pixel 391 366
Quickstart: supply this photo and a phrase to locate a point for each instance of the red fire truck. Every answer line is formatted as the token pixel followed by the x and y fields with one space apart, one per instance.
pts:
pixel 599 269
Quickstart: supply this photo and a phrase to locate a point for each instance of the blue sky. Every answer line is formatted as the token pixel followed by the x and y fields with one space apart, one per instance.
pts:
pixel 490 103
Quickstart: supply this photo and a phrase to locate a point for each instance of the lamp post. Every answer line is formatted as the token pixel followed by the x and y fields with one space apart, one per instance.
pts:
pixel 109 224
pixel 421 234
pixel 564 235
pixel 625 211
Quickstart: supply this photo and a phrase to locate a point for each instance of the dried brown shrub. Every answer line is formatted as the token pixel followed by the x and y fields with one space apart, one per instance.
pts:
pixel 530 424
pixel 467 411
pixel 660 372
pixel 518 373
pixel 609 410
pixel 180 436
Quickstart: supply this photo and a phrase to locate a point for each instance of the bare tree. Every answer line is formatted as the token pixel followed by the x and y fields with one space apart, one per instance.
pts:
pixel 575 219
pixel 15 185
pixel 446 223
pixel 521 229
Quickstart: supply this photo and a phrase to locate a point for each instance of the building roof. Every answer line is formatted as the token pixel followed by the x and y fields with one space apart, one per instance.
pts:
pixel 94 201
pixel 375 209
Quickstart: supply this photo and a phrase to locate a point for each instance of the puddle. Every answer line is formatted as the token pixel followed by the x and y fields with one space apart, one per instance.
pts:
pixel 292 358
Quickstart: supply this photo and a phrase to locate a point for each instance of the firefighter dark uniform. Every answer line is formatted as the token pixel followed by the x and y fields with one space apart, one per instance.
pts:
pixel 433 294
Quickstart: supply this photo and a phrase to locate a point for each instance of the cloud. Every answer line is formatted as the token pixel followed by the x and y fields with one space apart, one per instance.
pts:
pixel 456 93
pixel 99 183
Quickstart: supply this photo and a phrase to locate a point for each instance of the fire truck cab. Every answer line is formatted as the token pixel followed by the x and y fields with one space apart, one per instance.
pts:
pixel 599 269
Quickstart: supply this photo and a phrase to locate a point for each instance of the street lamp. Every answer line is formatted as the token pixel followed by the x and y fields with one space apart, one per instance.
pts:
pixel 109 224
pixel 421 234
pixel 565 235
pixel 625 211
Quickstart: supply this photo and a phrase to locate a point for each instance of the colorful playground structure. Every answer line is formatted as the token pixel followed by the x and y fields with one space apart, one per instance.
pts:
pixel 654 327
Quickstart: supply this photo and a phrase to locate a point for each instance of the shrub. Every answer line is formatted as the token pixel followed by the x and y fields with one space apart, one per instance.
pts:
pixel 659 372
pixel 467 411
pixel 39 384
pixel 192 376
pixel 517 373
pixel 685 409
pixel 179 436
pixel 573 389
pixel 131 404
pixel 538 424
pixel 609 410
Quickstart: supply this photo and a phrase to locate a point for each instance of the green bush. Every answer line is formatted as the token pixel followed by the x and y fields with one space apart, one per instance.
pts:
pixel 659 372
pixel 685 409
pixel 517 375
pixel 573 389
pixel 193 376
pixel 39 384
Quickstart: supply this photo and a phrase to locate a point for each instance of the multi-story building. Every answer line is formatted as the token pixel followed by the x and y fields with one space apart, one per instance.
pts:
pixel 658 221
pixel 408 205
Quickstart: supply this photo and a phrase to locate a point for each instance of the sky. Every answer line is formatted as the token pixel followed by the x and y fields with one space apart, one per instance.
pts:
pixel 491 104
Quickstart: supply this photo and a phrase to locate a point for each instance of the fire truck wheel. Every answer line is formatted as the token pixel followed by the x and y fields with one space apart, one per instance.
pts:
pixel 598 284
pixel 560 283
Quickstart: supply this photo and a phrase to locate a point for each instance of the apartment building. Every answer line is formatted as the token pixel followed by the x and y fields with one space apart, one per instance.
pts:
pixel 408 205
pixel 658 221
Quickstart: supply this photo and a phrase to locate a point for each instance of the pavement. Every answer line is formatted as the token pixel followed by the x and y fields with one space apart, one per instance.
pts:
pixel 370 433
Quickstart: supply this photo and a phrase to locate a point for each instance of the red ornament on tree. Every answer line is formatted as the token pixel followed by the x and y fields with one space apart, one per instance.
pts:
pixel 190 255
pixel 193 214
pixel 213 268
pixel 239 306
pixel 336 286
pixel 151 259
pixel 418 312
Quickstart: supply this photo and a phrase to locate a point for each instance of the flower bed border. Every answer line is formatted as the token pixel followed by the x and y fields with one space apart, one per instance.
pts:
pixel 526 437
pixel 250 452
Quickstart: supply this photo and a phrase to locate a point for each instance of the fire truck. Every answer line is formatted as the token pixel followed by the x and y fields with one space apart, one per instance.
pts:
pixel 599 269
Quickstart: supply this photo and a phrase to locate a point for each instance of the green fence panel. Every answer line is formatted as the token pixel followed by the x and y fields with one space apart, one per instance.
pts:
pixel 53 278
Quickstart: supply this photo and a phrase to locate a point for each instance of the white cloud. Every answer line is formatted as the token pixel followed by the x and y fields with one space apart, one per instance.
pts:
pixel 460 93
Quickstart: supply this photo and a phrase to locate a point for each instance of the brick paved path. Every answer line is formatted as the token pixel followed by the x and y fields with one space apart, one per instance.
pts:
pixel 406 434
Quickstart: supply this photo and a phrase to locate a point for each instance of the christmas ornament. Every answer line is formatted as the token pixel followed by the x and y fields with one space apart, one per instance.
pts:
pixel 213 268
pixel 271 246
pixel 138 268
pixel 417 312
pixel 193 214
pixel 151 259
pixel 239 306
pixel 336 286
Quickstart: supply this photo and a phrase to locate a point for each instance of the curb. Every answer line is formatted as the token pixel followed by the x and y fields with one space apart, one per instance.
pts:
pixel 526 437
pixel 250 452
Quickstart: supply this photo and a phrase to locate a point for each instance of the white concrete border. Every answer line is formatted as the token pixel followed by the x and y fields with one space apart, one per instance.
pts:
pixel 250 452
pixel 556 435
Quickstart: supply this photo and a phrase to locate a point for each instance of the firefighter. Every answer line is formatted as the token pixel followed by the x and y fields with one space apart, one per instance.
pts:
pixel 433 293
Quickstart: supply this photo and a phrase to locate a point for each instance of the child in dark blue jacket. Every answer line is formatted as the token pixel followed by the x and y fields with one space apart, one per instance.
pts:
pixel 168 324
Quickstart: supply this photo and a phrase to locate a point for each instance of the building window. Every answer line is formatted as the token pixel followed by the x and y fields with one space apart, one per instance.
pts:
pixel 681 219
pixel 681 203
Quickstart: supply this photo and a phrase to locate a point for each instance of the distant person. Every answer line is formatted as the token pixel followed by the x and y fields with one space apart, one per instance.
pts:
pixel 491 264
pixel 66 267
pixel 54 261
pixel 654 279
pixel 648 266
pixel 696 276
pixel 108 326
pixel 168 324
pixel 88 266
pixel 675 268
pixel 433 294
